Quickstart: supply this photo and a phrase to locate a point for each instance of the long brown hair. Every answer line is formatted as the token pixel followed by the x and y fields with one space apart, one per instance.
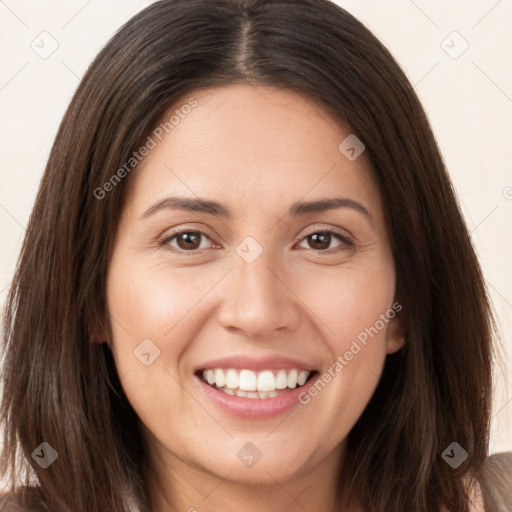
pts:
pixel 62 389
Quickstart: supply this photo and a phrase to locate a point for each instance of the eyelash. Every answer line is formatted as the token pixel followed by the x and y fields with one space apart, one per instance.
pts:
pixel 347 243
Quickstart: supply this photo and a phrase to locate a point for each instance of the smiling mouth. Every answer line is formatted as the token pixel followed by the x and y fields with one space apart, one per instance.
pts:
pixel 263 384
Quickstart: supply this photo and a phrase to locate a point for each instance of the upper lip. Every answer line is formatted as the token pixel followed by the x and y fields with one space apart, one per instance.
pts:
pixel 250 363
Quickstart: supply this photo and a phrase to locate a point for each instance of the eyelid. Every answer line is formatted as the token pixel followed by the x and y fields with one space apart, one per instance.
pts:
pixel 185 228
pixel 322 227
pixel 346 239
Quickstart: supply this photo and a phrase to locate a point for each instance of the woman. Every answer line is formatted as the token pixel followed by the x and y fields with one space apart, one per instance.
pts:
pixel 246 282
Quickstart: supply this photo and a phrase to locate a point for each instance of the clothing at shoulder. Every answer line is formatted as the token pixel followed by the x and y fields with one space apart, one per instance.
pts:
pixel 25 499
pixel 496 483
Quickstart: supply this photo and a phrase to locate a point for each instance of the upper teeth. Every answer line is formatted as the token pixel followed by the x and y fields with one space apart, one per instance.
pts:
pixel 248 380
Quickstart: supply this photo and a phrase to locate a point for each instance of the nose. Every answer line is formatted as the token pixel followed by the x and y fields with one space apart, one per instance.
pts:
pixel 258 299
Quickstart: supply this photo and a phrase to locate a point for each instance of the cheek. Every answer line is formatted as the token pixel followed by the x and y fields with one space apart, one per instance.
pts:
pixel 149 312
pixel 353 311
pixel 348 301
pixel 149 302
pixel 142 310
pixel 160 311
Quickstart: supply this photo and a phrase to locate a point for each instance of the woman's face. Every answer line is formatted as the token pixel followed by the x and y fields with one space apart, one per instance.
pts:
pixel 248 287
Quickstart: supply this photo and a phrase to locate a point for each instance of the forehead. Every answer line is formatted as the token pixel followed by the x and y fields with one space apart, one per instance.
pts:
pixel 258 146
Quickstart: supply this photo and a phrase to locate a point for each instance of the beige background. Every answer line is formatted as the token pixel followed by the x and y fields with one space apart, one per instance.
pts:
pixel 457 54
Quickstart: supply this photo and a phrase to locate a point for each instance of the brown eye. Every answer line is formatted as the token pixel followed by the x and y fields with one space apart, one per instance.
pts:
pixel 186 241
pixel 321 240
pixel 189 240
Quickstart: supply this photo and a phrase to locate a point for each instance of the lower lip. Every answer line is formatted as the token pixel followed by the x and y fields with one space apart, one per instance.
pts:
pixel 254 408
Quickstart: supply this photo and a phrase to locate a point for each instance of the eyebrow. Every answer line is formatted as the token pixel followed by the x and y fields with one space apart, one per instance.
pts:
pixel 219 210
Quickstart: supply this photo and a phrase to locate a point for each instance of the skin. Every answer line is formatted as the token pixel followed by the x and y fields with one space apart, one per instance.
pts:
pixel 257 150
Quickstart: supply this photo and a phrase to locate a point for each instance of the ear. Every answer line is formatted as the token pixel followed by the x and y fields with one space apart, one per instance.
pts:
pixel 97 335
pixel 97 339
pixel 395 338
